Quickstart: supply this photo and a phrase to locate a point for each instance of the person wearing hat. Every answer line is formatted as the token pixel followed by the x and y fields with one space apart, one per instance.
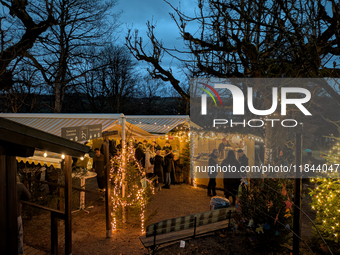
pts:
pixel 167 146
pixel 222 146
pixel 242 158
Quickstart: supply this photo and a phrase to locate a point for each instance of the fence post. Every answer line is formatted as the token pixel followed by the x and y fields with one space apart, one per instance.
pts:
pixel 54 234
pixel 195 227
pixel 297 195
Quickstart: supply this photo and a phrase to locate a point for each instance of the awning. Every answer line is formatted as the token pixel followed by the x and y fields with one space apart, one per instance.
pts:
pixel 41 158
pixel 52 123
pixel 157 124
pixel 131 130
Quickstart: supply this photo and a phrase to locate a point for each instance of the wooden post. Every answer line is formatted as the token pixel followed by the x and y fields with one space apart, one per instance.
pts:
pixel 108 188
pixel 68 205
pixel 54 234
pixel 3 206
pixel 12 204
pixel 297 195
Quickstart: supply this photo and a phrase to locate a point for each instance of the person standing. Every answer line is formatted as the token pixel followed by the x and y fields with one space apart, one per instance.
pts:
pixel 159 163
pixel 230 184
pixel 212 175
pixel 242 158
pixel 168 159
pixel 149 157
pixel 145 145
pixel 158 169
pixel 167 146
pixel 156 146
pixel 222 146
pixel 99 168
pixel 140 155
pixel 23 195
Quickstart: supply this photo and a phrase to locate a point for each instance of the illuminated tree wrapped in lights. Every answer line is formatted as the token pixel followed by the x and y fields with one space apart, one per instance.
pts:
pixel 127 173
pixel 326 196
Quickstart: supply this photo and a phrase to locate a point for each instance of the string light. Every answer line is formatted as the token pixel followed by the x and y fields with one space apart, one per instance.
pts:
pixel 324 197
pixel 137 193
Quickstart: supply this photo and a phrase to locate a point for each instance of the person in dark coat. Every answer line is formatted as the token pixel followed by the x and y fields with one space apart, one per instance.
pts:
pixel 156 146
pixel 167 146
pixel 222 146
pixel 140 155
pixel 22 195
pixel 231 184
pixel 119 146
pixel 212 176
pixel 242 158
pixel 112 148
pixel 168 167
pixel 99 168
pixel 158 166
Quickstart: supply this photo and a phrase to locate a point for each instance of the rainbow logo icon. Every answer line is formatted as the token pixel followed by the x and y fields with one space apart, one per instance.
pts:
pixel 209 93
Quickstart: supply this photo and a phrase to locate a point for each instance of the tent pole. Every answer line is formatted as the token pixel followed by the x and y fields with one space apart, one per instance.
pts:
pixel 108 187
pixel 123 122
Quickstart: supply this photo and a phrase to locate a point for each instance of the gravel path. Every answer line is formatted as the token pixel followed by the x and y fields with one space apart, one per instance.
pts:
pixel 89 229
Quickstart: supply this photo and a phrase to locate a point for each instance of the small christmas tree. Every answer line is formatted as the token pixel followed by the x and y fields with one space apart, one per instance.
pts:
pixel 266 207
pixel 138 189
pixel 326 195
pixel 185 157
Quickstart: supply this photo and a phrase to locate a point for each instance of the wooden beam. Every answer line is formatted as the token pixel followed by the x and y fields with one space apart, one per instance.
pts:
pixel 22 135
pixel 3 202
pixel 63 186
pixel 108 188
pixel 68 205
pixel 58 214
pixel 12 204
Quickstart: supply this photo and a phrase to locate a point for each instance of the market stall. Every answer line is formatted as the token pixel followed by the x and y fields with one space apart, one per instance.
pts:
pixel 203 143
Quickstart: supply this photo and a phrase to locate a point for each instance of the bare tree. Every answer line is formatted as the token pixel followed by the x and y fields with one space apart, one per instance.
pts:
pixel 21 23
pixel 23 95
pixel 111 81
pixel 250 39
pixel 60 56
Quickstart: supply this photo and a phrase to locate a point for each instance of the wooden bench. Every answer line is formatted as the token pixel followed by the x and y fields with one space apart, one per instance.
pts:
pixel 186 227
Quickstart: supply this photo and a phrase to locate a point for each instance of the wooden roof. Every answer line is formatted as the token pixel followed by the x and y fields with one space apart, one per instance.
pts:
pixel 15 135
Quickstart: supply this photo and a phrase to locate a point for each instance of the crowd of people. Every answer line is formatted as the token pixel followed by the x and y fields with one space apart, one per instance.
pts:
pixel 230 184
pixel 158 167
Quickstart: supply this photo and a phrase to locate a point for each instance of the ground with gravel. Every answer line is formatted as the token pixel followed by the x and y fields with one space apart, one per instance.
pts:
pixel 89 235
